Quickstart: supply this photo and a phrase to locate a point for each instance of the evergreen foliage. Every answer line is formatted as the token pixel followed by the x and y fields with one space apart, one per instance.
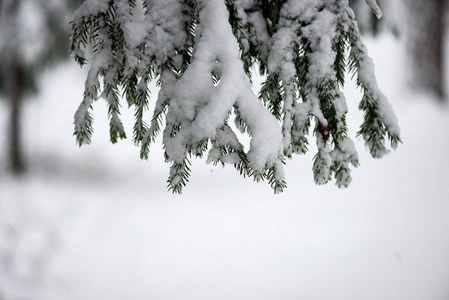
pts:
pixel 202 53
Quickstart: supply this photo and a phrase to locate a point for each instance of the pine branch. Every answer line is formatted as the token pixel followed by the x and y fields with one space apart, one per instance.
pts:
pixel 116 129
pixel 302 65
pixel 322 163
pixel 379 119
pixel 84 123
pixel 277 184
pixel 300 129
pixel 328 95
pixel 239 122
pixel 302 50
pixel 141 104
pixel 272 95
pixel 340 46
pixel 154 130
pixel 179 176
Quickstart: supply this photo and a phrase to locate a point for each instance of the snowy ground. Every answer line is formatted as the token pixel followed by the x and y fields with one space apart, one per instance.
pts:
pixel 98 223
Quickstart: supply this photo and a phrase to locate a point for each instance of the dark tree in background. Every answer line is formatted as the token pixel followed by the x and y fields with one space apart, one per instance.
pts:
pixel 33 36
pixel 366 19
pixel 425 35
pixel 424 29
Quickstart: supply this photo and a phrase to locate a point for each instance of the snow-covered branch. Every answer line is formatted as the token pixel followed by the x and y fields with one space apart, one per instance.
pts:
pixel 203 52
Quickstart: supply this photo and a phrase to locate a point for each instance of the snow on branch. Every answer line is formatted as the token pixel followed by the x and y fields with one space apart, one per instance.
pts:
pixel 202 54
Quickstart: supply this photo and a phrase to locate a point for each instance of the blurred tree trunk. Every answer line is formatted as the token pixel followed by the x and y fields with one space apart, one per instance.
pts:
pixel 17 83
pixel 426 31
